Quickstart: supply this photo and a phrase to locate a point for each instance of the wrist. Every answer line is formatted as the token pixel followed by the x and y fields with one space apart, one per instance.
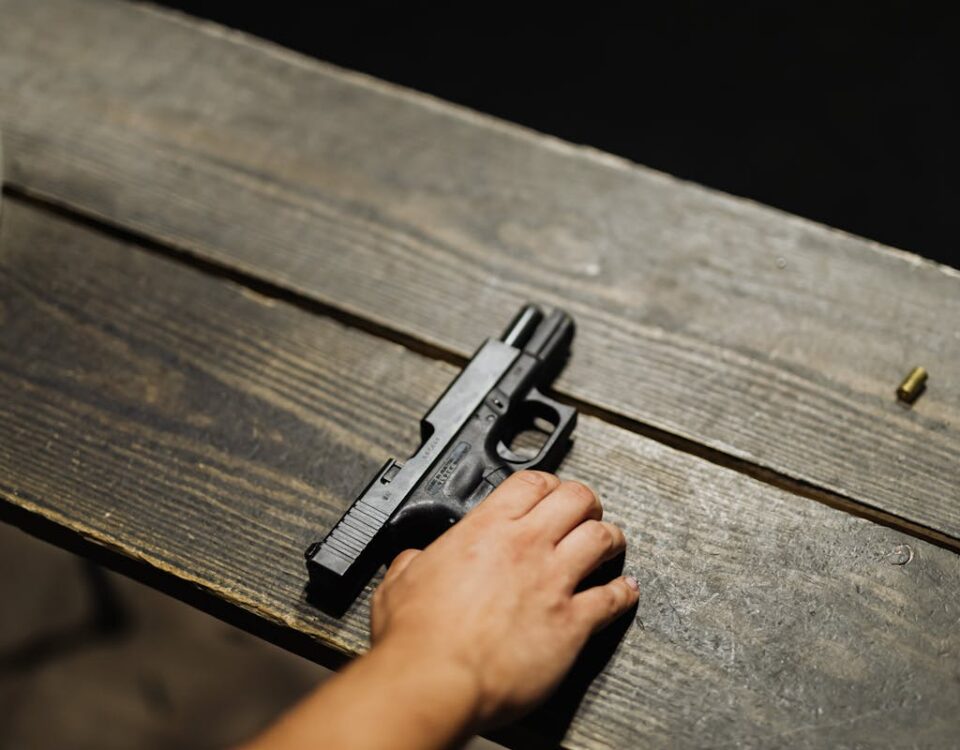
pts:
pixel 439 686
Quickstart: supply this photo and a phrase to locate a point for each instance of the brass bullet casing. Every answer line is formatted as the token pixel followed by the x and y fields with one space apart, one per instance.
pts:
pixel 912 385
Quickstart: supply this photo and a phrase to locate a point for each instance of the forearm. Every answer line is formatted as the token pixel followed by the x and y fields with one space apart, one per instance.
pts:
pixel 393 698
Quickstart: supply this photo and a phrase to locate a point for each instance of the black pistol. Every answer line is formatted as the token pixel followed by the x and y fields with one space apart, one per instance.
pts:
pixel 469 444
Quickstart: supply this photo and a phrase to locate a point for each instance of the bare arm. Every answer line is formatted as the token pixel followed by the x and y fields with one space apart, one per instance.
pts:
pixel 476 629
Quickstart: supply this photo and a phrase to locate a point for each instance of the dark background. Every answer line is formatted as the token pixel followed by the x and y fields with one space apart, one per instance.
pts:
pixel 841 114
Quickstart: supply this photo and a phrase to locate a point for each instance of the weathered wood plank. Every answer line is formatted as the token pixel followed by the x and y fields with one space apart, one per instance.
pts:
pixel 756 333
pixel 211 433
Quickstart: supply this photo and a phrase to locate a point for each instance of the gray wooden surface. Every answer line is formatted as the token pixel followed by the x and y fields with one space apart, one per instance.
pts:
pixel 764 337
pixel 207 431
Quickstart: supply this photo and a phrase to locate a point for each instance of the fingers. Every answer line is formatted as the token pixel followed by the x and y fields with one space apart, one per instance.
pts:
pixel 601 605
pixel 589 545
pixel 569 505
pixel 400 563
pixel 519 493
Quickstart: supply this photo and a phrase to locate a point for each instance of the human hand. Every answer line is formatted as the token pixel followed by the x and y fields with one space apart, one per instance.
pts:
pixel 495 596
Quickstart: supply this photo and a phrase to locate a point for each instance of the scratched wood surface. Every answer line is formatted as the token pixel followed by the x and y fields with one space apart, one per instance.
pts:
pixel 205 430
pixel 758 334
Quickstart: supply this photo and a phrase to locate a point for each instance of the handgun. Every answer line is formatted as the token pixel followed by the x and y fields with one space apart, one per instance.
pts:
pixel 471 439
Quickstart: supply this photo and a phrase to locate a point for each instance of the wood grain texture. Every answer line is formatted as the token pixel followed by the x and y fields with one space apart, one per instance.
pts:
pixel 212 433
pixel 761 335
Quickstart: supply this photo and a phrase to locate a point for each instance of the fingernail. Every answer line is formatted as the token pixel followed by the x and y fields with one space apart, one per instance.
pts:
pixel 632 583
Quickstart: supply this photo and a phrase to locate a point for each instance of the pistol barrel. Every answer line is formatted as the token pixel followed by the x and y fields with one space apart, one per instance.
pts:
pixel 522 327
pixel 550 342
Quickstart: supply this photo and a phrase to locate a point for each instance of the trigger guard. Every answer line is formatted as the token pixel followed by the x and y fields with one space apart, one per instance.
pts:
pixel 562 417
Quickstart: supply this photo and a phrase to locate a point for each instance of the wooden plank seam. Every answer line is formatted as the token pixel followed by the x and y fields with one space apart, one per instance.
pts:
pixel 271 290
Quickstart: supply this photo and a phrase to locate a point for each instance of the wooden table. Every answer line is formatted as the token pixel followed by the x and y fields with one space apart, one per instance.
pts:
pixel 232 278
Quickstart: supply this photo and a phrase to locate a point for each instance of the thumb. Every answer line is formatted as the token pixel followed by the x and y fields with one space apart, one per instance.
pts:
pixel 400 563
